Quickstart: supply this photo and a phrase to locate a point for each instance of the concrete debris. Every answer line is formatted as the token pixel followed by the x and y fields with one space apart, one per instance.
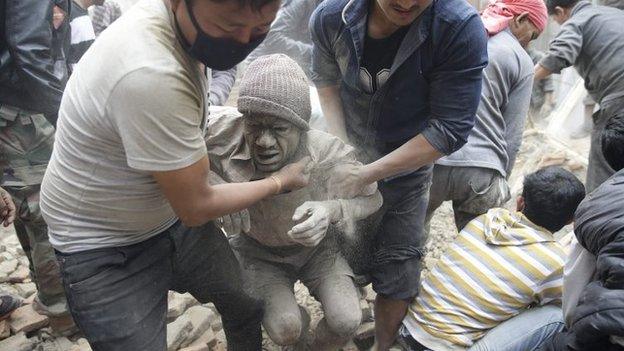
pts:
pixel 365 331
pixel 178 303
pixel 25 319
pixel 178 331
pixel 367 311
pixel 58 344
pixel 196 348
pixel 7 267
pixel 200 320
pixel 26 289
pixel 17 342
pixel 81 345
pixel 20 275
pixel 5 329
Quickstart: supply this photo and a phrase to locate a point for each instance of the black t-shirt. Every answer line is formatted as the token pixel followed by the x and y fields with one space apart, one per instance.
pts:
pixel 378 57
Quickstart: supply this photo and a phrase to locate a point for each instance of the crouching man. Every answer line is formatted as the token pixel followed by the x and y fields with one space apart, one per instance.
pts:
pixel 290 236
pixel 499 285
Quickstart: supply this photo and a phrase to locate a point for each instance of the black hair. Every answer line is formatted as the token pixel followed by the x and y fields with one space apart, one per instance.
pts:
pixel 612 140
pixel 566 4
pixel 256 5
pixel 551 196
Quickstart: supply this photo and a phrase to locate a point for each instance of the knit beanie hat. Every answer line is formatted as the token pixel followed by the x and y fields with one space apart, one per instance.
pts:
pixel 275 85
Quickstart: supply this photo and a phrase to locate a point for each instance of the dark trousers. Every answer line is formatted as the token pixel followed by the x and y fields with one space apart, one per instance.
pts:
pixel 118 296
pixel 390 243
pixel 598 169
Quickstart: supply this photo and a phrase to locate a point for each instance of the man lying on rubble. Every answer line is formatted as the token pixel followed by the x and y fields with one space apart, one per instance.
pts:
pixel 475 176
pixel 498 285
pixel 290 236
pixel 590 39
pixel 593 298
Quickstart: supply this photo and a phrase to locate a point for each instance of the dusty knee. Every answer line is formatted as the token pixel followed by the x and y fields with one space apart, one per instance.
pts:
pixel 284 329
pixel 344 321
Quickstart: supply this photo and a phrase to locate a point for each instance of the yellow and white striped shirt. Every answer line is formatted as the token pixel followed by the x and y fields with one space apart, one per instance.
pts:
pixel 499 265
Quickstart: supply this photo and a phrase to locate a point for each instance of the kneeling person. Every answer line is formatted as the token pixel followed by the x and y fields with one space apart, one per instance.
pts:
pixel 478 294
pixel 290 236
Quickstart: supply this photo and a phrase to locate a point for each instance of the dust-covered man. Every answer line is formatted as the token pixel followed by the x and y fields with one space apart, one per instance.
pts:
pixel 290 236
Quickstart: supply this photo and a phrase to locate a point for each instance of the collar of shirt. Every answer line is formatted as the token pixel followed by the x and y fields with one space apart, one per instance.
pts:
pixel 355 17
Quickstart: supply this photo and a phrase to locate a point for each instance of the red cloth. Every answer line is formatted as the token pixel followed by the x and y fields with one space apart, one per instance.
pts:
pixel 497 15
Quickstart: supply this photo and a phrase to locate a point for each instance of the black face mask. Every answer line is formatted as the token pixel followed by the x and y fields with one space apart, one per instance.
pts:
pixel 216 53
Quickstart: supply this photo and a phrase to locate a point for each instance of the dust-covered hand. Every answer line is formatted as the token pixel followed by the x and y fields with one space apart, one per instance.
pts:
pixel 235 223
pixel 295 175
pixel 348 181
pixel 7 208
pixel 314 218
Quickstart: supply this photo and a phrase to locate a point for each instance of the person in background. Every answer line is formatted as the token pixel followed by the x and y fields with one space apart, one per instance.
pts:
pixel 498 286
pixel 82 33
pixel 290 34
pixel 590 39
pixel 221 84
pixel 400 81
pixel 30 95
pixel 593 294
pixel 104 15
pixel 475 176
pixel 543 94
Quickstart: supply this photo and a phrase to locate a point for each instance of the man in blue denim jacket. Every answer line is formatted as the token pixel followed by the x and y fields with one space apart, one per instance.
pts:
pixel 399 80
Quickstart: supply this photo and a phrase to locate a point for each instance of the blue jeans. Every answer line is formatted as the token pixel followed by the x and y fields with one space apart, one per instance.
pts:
pixel 524 332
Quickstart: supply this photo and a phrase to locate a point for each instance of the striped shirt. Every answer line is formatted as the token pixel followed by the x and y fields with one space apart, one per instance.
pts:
pixel 499 265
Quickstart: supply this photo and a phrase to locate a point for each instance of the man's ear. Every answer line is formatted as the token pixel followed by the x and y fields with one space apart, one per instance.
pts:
pixel 521 17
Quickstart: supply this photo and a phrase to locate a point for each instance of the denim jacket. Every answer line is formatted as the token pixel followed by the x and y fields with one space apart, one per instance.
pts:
pixel 435 79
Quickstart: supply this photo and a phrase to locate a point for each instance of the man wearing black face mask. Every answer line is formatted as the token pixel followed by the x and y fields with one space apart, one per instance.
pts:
pixel 126 195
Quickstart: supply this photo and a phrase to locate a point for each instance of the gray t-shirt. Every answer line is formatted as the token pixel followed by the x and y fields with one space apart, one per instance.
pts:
pixel 505 95
pixel 134 105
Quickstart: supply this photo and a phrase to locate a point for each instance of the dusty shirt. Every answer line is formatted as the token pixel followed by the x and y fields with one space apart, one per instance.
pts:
pixel 134 105
pixel 591 40
pixel 230 159
pixel 505 94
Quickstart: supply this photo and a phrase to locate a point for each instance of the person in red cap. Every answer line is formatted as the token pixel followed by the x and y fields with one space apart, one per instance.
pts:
pixel 475 176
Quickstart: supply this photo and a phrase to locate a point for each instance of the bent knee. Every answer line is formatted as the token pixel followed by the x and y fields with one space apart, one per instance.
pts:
pixel 284 329
pixel 344 323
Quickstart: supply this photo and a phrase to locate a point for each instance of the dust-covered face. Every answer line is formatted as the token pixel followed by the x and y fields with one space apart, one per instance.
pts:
pixel 272 141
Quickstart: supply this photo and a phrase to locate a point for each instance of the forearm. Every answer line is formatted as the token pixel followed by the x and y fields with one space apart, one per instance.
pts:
pixel 331 104
pixel 360 207
pixel 412 155
pixel 541 72
pixel 222 199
